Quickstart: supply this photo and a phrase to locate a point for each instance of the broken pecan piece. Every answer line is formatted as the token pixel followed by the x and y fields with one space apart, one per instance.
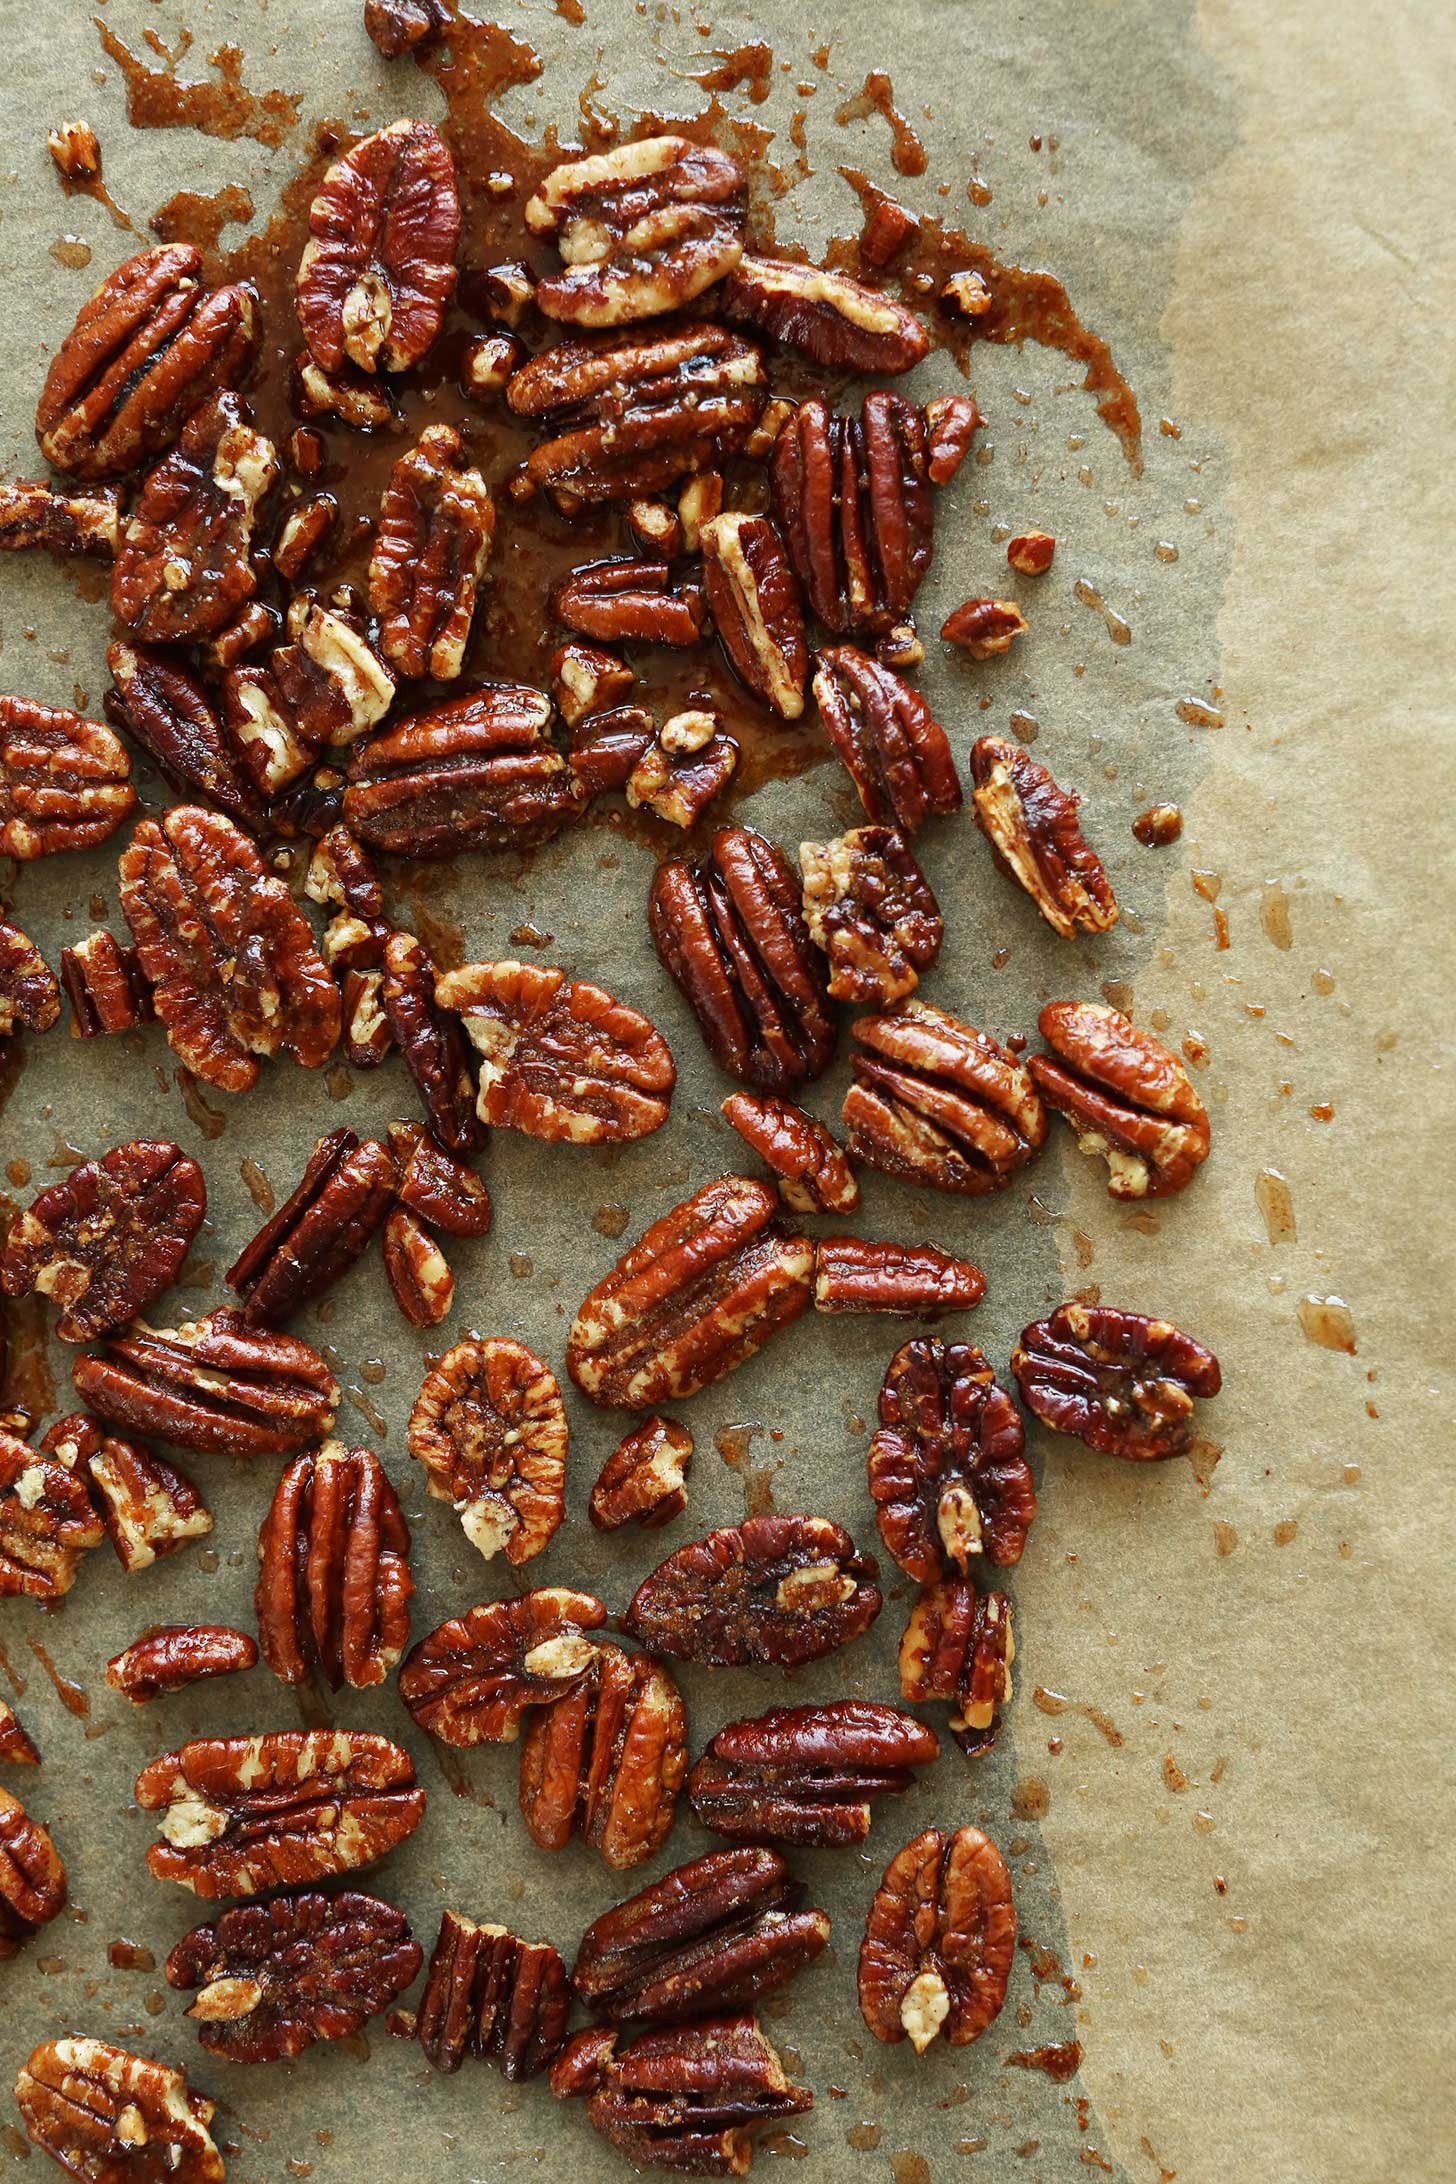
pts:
pixel 110 2117
pixel 65 782
pixel 473 1679
pixel 892 746
pixel 807 1774
pixel 682 768
pixel 984 627
pixel 1032 828
pixel 869 906
pixel 959 1645
pixel 489 1427
pixel 587 680
pixel 46 1520
pixel 1030 552
pixel 109 1238
pixel 104 984
pixel 399 26
pixel 1124 1384
pixel 30 999
pixel 642 229
pixel 939 1103
pixel 147 1506
pixel 431 1042
pixel 852 497
pixel 939 1941
pixel 417 1270
pixel 65 524
pixel 755 604
pixel 699 1293
pixel 476 772
pixel 240 1815
pixel 32 1877
pixel 775 1591
pixel 16 1747
pixel 166 710
pixel 606 1761
pixel 641 1482
pixel 327 685
pixel 436 523
pixel 954 421
pixel 1126 1097
pixel 826 316
pixel 440 1190
pixel 178 1654
pixel 322 1227
pixel 629 602
pixel 489 1994
pixel 379 266
pixel 334 1582
pixel 917 1281
pixel 947 1468
pixel 813 1174
pixel 185 567
pixel 216 1385
pixel 689 2098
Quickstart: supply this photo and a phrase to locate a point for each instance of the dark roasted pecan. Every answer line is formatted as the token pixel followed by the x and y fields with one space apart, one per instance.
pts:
pixel 275 1977
pixel 185 566
pixel 869 906
pixel 984 627
pixel 109 1238
pixel 641 1482
pixel 216 1385
pixel 587 680
pixel 755 604
pixel 852 498
pixel 166 710
pixel 939 1941
pixel 709 1936
pixel 148 1508
pixel 559 1058
pixel 689 2098
pixel 697 1295
pixel 379 267
pixel 476 772
pixel 109 2117
pixel 487 1993
pixel 1126 1097
pixel 30 999
pixel 1032 827
pixel 436 523
pixel 151 345
pixel 959 1645
pixel 806 1774
pixel 634 414
pixel 642 229
pixel 439 1189
pixel 46 1519
pixel 65 782
pixel 65 524
pixel 775 1591
pixel 327 685
pixel 305 526
pixel 813 1174
pixel 915 1281
pixel 606 1761
pixel 893 748
pixel 731 933
pixel 947 1469
pixel 321 1228
pixel 630 602
pixel 398 26
pixel 16 1747
pixel 177 1654
pixel 431 1042
pixel 1122 1383
pixel 240 1815
pixel 417 1271
pixel 489 1427
pixel 939 1103
pixel 683 767
pixel 827 317
pixel 103 983
pixel 229 955
pixel 954 421
pixel 334 1581
pixel 472 1680
pixel 32 1877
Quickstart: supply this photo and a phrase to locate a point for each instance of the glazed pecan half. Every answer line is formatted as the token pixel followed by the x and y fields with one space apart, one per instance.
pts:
pixel 697 1295
pixel 826 316
pixel 688 2098
pixel 489 1426
pixel 473 1680
pixel 893 748
pixel 185 566
pixel 755 604
pixel 30 999
pixel 167 711
pixel 629 602
pixel 175 1655
pixel 1124 1384
pixel 947 1468
pixel 322 1227
pixel 476 772
pixel 959 1645
pixel 606 1761
pixel 16 1747
pixel 241 1815
pixel 984 627
pixel 939 1103
pixel 216 1385
pixel 642 229
pixel 431 1043
pixel 147 1506
pixel 64 524
pixel 813 1174
pixel 46 1519
pixel 1032 827
pixel 939 1941
pixel 869 906
pixel 807 1774
pixel 104 984
pixel 110 2117
pixel 440 1190
pixel 491 1995
pixel 853 500
pixel 913 1281
pixel 379 267
pixel 102 1243
pixel 436 524
pixel 65 782
pixel 775 1591
pixel 32 1877
pixel 1127 1098
pixel 334 1580
pixel 417 1271
pixel 641 1482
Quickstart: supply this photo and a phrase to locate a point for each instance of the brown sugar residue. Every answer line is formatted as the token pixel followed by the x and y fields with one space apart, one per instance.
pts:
pixel 877 96
pixel 571 11
pixel 1328 1323
pixel 1059 2060
pixel 749 65
pixel 158 98
pixel 71 1695
pixel 192 217
pixel 1055 1702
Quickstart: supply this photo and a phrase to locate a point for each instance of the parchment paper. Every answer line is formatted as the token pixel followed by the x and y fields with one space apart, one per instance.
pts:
pixel 1224 1846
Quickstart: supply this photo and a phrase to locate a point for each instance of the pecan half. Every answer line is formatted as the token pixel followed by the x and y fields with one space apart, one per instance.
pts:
pixel 893 748
pixel 65 782
pixel 939 1941
pixel 439 1189
pixel 689 2098
pixel 959 1645
pixel 642 229
pixel 326 686
pixel 229 955
pixel 807 1774
pixel 417 1270
pixel 731 934
pixel 1032 828
pixel 436 523
pixel 916 1281
pixel 185 565
pixel 947 1469
pixel 271 1978
pixel 869 906
pixel 682 768
pixel 775 1591
pixel 322 1227
pixel 334 1582
pixel 166 710
pixel 32 1877
pixel 46 1519
pixel 147 1506
pixel 697 1295
pixel 379 266
pixel 151 345
pixel 399 26
pixel 110 2117
pixel 755 604
pixel 103 983
pixel 852 498
pixel 826 316
pixel 489 1994
pixel 954 421
pixel 431 1042
pixel 109 1238
pixel 30 999
pixel 1124 1384
pixel 178 1654
pixel 1126 1097
pixel 16 1747
pixel 65 524
pixel 240 1815
pixel 641 1482
pixel 476 772
pixel 489 1427
pixel 813 1174
pixel 473 1679
pixel 606 1761
pixel 629 602
pixel 559 1058
pixel 984 627
pixel 216 1385
pixel 939 1103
